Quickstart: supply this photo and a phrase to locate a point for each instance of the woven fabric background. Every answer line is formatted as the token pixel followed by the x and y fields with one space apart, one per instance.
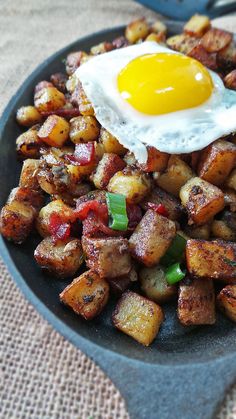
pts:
pixel 41 374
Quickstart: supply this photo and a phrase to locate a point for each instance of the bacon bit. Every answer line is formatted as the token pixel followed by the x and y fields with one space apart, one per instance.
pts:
pixel 41 85
pixel 67 113
pixel 206 58
pixel 59 229
pixel 84 154
pixel 134 214
pixel 158 208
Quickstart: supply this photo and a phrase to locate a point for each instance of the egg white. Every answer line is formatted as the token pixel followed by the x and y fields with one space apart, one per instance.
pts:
pixel 176 132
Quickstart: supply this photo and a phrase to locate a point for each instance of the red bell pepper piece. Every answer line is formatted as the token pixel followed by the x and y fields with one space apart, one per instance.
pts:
pixel 158 208
pixel 59 229
pixel 84 154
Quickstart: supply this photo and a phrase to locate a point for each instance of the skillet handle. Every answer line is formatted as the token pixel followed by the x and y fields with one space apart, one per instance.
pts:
pixel 170 392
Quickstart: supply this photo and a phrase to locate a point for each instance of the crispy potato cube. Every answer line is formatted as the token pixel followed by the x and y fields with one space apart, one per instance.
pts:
pixel 106 168
pixel 61 258
pixel 41 85
pixel 206 58
pixel 159 27
pixel 231 180
pixel 156 37
pixel 79 98
pixel 28 116
pixel 27 196
pixel 175 176
pixel 198 232
pixel 80 172
pixel 226 301
pixel 220 230
pixel 133 184
pixel 159 196
pixel 197 25
pixel 101 48
pixel 28 144
pixel 196 302
pixel 84 129
pixel 230 80
pixel 138 317
pixel 49 99
pixel 202 200
pixel 110 143
pixel 182 43
pixel 87 295
pixel 211 259
pixel 156 162
pixel 16 221
pixel 43 219
pixel 28 176
pixel 151 238
pixel 155 286
pixel 136 30
pixel 215 40
pixel 109 257
pixel 54 131
pixel 217 161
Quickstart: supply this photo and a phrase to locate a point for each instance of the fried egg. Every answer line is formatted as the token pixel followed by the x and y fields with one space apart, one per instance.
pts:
pixel 147 94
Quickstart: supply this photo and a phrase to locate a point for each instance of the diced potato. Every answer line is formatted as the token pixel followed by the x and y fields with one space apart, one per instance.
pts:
pixel 202 200
pixel 196 302
pixel 156 37
pixel 28 144
pixel 41 85
pixel 198 232
pixel 156 162
pixel 87 295
pixel 215 40
pixel 182 43
pixel 84 129
pixel 110 143
pixel 49 99
pixel 211 259
pixel 120 284
pixel 197 25
pixel 175 176
pixel 27 196
pixel 138 317
pixel 70 197
pixel 133 184
pixel 54 155
pixel 231 180
pixel 230 80
pixel 54 131
pixel 226 300
pixel 206 58
pixel 101 48
pixel 61 258
pixel 28 116
pixel 79 98
pixel 29 171
pixel 136 30
pixel 16 221
pixel 151 238
pixel 159 28
pixel 217 161
pixel 155 286
pixel 106 168
pixel 220 230
pixel 159 196
pixel 80 172
pixel 73 61
pixel 43 219
pixel 109 257
pixel 46 181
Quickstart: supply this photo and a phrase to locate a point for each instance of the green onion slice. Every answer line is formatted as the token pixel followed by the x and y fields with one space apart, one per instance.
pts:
pixel 118 219
pixel 174 274
pixel 175 251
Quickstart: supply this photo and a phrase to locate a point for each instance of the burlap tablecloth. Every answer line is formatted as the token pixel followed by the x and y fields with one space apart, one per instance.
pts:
pixel 41 374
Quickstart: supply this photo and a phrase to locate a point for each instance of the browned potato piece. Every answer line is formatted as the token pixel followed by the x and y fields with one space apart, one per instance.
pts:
pixel 226 300
pixel 138 317
pixel 29 171
pixel 159 29
pixel 16 221
pixel 109 257
pixel 206 58
pixel 27 196
pixel 175 176
pixel 156 37
pixel 231 180
pixel 101 48
pixel 84 129
pixel 28 144
pixel 220 230
pixel 211 259
pixel 49 99
pixel 156 162
pixel 196 302
pixel 87 295
pixel 155 286
pixel 136 30
pixel 226 58
pixel 79 98
pixel 197 25
pixel 202 200
pixel 230 80
pixel 110 143
pixel 28 116
pixel 159 196
pixel 151 238
pixel 198 232
pixel 54 131
pixel 60 258
pixel 106 168
pixel 182 43
pixel 43 219
pixel 133 184
pixel 215 40
pixel 217 161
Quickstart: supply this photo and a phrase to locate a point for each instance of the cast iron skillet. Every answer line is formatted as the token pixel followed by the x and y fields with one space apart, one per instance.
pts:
pixel 185 372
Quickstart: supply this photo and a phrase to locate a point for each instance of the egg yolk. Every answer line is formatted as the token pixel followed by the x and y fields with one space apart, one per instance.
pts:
pixel 156 84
